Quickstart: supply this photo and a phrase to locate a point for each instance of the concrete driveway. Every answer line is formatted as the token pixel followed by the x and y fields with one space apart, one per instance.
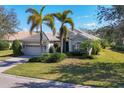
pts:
pixel 12 81
pixel 9 63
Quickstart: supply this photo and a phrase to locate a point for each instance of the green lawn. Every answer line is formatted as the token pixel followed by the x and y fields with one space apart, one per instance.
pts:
pixel 107 70
pixel 5 54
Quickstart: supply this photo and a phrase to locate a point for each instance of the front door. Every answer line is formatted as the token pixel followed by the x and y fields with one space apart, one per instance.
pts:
pixel 67 46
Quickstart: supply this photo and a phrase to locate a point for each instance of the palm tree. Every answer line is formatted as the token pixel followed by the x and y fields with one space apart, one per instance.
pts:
pixel 64 19
pixel 37 19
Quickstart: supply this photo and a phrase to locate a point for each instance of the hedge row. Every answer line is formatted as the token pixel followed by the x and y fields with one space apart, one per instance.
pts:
pixel 49 58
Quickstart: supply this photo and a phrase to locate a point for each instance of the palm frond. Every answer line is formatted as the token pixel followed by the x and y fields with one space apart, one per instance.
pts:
pixel 66 12
pixel 58 16
pixel 33 26
pixel 31 10
pixel 42 9
pixel 49 21
pixel 70 21
pixel 38 19
pixel 31 18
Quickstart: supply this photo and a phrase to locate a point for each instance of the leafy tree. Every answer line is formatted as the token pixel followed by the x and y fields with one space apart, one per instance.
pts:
pixel 108 33
pixel 37 20
pixel 8 22
pixel 113 15
pixel 104 43
pixel 64 19
pixel 4 45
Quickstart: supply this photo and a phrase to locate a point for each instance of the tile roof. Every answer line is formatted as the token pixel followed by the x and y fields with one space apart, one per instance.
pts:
pixel 36 37
pixel 18 35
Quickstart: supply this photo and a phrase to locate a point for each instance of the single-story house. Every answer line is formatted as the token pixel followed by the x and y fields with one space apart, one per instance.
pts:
pixel 31 44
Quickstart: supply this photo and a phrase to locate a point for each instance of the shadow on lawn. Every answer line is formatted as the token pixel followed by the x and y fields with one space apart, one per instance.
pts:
pixel 115 50
pixel 49 84
pixel 9 63
pixel 9 55
pixel 94 74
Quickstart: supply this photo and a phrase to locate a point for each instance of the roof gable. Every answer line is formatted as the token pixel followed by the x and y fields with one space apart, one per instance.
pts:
pixel 84 34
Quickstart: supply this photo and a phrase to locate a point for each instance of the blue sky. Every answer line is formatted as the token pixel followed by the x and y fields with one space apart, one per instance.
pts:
pixel 84 16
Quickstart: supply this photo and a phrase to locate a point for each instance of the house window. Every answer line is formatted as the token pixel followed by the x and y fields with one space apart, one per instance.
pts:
pixel 77 46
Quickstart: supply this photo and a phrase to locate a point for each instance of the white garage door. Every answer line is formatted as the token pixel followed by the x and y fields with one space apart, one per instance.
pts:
pixel 32 50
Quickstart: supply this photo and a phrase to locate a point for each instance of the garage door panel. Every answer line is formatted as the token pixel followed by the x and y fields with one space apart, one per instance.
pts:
pixel 32 50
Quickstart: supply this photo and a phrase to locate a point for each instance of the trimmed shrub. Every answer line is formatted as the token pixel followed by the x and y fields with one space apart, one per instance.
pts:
pixel 4 45
pixel 119 48
pixel 56 57
pixel 35 59
pixel 104 43
pixel 74 54
pixel 16 47
pixel 44 58
pixel 49 58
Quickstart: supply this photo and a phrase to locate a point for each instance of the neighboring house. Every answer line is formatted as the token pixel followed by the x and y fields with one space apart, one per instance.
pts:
pixel 17 36
pixel 31 44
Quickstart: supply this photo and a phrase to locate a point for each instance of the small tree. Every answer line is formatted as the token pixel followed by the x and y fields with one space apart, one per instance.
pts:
pixel 86 46
pixel 104 43
pixel 57 47
pixel 52 49
pixel 96 47
pixel 91 47
pixel 16 47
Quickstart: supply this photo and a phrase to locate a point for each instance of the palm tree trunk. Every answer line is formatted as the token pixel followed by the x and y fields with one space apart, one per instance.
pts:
pixel 64 43
pixel 61 45
pixel 41 38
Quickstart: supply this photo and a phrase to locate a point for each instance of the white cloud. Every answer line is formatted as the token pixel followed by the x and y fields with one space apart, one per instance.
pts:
pixel 93 24
pixel 25 29
pixel 84 16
